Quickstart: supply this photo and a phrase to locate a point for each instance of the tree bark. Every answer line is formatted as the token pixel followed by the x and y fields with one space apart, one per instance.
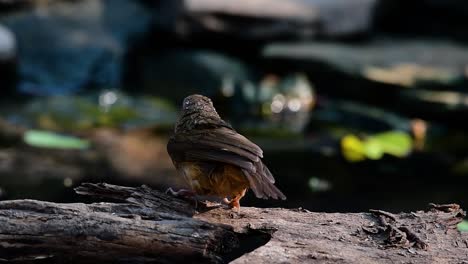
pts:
pixel 144 225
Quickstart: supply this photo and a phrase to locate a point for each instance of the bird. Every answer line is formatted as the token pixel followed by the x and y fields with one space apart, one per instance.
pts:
pixel 214 159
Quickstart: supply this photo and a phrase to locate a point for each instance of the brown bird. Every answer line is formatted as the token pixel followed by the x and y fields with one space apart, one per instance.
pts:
pixel 215 159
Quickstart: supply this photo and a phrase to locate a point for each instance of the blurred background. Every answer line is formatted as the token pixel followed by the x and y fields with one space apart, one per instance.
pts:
pixel 357 104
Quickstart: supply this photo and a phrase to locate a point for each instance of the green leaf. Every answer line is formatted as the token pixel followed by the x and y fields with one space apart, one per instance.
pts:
pixel 352 148
pixel 45 139
pixel 373 149
pixel 395 143
pixel 463 226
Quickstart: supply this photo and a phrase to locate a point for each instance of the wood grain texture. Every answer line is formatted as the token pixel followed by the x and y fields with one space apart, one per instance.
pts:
pixel 147 226
pixel 142 229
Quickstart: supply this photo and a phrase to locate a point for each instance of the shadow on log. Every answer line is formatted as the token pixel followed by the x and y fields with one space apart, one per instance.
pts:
pixel 145 225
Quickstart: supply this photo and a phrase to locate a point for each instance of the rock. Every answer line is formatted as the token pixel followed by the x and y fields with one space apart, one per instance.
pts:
pixel 266 19
pixel 377 72
pixel 288 103
pixel 236 89
pixel 175 73
pixel 7 44
pixel 67 46
pixel 399 62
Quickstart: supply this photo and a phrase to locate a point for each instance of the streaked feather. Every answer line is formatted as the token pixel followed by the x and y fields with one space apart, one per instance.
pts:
pixel 202 136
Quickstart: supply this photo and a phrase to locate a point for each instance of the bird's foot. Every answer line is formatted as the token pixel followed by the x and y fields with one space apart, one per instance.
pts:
pixel 233 203
pixel 226 201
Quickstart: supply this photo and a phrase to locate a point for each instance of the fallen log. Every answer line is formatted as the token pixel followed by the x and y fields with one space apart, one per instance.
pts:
pixel 142 225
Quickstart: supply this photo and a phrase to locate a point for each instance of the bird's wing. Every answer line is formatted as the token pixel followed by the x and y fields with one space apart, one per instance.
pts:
pixel 216 144
pixel 226 145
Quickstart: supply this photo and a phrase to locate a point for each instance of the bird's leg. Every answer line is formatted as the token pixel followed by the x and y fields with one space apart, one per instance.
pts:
pixel 234 203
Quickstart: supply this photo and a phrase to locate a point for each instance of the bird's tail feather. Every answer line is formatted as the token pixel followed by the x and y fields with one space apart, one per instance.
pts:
pixel 262 185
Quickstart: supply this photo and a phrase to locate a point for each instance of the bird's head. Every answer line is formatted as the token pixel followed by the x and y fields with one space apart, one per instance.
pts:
pixel 196 102
pixel 197 110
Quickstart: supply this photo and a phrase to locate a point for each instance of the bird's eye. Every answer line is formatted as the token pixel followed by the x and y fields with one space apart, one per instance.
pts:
pixel 185 104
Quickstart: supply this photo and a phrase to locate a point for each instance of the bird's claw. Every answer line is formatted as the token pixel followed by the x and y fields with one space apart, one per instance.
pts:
pixel 233 203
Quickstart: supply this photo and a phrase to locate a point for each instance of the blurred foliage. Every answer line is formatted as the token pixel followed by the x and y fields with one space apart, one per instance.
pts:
pixel 45 139
pixel 394 143
pixel 106 109
pixel 463 226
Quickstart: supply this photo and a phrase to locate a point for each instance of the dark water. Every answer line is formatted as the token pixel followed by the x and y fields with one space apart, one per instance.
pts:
pixel 150 69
